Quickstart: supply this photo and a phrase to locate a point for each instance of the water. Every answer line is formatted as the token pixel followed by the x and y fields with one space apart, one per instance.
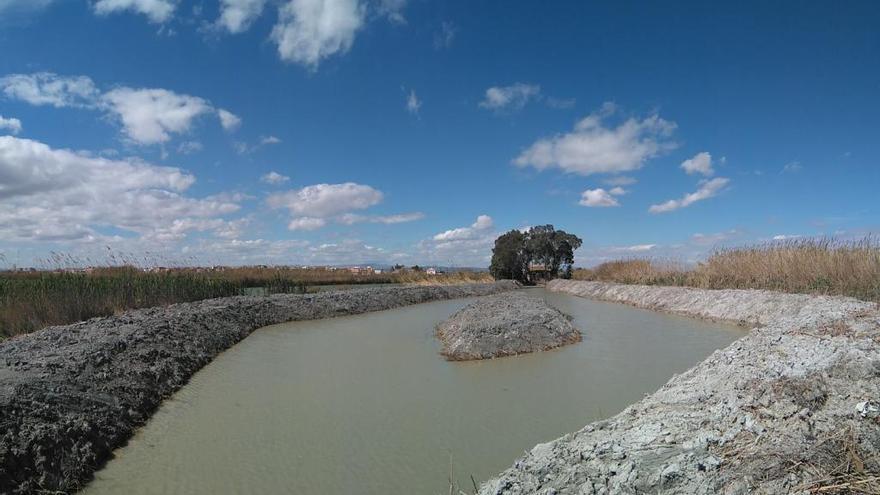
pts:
pixel 364 404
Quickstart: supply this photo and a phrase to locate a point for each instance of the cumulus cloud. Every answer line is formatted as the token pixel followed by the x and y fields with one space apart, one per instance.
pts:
pixel 471 245
pixel 413 104
pixel 236 16
pixel 637 248
pixel 148 116
pixel 309 31
pixel 264 140
pixel 353 218
pixel 701 163
pixel 482 224
pixel 510 98
pixel 11 124
pixel 228 120
pixel 600 197
pixel 701 239
pixel 46 88
pixel 55 194
pixel 708 189
pixel 325 200
pixel 312 207
pixel 306 223
pixel 155 10
pixel 274 178
pixel 594 148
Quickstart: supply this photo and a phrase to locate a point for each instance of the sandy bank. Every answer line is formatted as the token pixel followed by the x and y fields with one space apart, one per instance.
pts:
pixel 71 394
pixel 792 407
pixel 504 325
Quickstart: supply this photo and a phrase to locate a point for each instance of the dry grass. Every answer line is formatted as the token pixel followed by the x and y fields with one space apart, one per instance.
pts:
pixel 32 300
pixel 812 266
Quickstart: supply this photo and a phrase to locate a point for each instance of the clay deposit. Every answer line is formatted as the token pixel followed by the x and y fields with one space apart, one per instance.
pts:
pixel 504 325
pixel 792 407
pixel 71 394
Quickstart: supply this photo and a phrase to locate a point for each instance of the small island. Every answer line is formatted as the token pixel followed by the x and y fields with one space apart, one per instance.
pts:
pixel 504 325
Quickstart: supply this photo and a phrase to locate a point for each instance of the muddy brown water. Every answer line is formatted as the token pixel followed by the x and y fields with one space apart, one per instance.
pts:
pixel 364 404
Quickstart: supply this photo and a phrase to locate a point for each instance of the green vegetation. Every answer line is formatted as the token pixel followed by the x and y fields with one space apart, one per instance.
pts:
pixel 811 266
pixel 32 300
pixel 540 253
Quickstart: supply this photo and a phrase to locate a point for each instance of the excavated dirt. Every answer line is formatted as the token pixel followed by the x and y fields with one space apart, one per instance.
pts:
pixel 71 394
pixel 792 407
pixel 504 325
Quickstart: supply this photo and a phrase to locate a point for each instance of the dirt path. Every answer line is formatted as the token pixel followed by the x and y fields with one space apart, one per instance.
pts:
pixel 71 394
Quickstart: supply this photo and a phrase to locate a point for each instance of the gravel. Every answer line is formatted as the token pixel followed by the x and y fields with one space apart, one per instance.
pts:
pixel 71 394
pixel 504 325
pixel 789 408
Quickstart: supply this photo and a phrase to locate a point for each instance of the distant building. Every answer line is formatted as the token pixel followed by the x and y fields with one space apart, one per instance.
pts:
pixel 431 271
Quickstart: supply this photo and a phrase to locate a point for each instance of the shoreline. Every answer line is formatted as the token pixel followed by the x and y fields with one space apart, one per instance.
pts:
pixel 70 395
pixel 792 406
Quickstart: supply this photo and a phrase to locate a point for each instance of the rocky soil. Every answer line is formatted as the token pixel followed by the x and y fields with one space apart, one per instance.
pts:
pixel 504 325
pixel 71 394
pixel 792 407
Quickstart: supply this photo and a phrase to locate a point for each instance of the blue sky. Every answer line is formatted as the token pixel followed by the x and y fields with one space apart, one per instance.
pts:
pixel 349 131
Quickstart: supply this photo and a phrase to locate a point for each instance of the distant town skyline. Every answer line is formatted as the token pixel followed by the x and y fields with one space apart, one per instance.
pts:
pixel 345 132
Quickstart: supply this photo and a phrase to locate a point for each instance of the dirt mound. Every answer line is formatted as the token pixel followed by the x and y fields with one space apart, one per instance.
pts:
pixel 792 407
pixel 71 394
pixel 504 325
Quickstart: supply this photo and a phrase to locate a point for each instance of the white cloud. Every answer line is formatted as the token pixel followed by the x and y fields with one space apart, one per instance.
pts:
pixel 510 98
pixel 309 31
pixel 60 195
pixel 792 167
pixel 46 88
pixel 621 180
pixel 353 218
pixel 445 36
pixel 600 197
pixel 306 223
pixel 236 16
pixel 413 104
pixel 274 178
pixel 593 148
pixel 701 163
pixel 189 147
pixel 326 201
pixel 786 237
pixel 11 124
pixel 638 248
pixel 150 116
pixel 480 226
pixel 264 140
pixel 708 189
pixel 393 10
pixel 228 120
pixel 155 10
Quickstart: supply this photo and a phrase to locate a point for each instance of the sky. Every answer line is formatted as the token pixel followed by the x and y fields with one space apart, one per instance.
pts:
pixel 415 132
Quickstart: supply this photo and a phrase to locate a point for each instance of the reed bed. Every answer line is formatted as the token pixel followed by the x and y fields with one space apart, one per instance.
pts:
pixel 30 300
pixel 811 266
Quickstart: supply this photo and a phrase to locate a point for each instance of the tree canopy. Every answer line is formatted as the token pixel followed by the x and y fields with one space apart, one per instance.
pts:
pixel 541 251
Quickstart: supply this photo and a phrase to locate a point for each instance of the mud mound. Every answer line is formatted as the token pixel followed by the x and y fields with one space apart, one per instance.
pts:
pixel 504 325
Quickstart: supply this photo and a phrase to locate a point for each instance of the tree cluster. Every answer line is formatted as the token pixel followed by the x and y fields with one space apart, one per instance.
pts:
pixel 540 252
